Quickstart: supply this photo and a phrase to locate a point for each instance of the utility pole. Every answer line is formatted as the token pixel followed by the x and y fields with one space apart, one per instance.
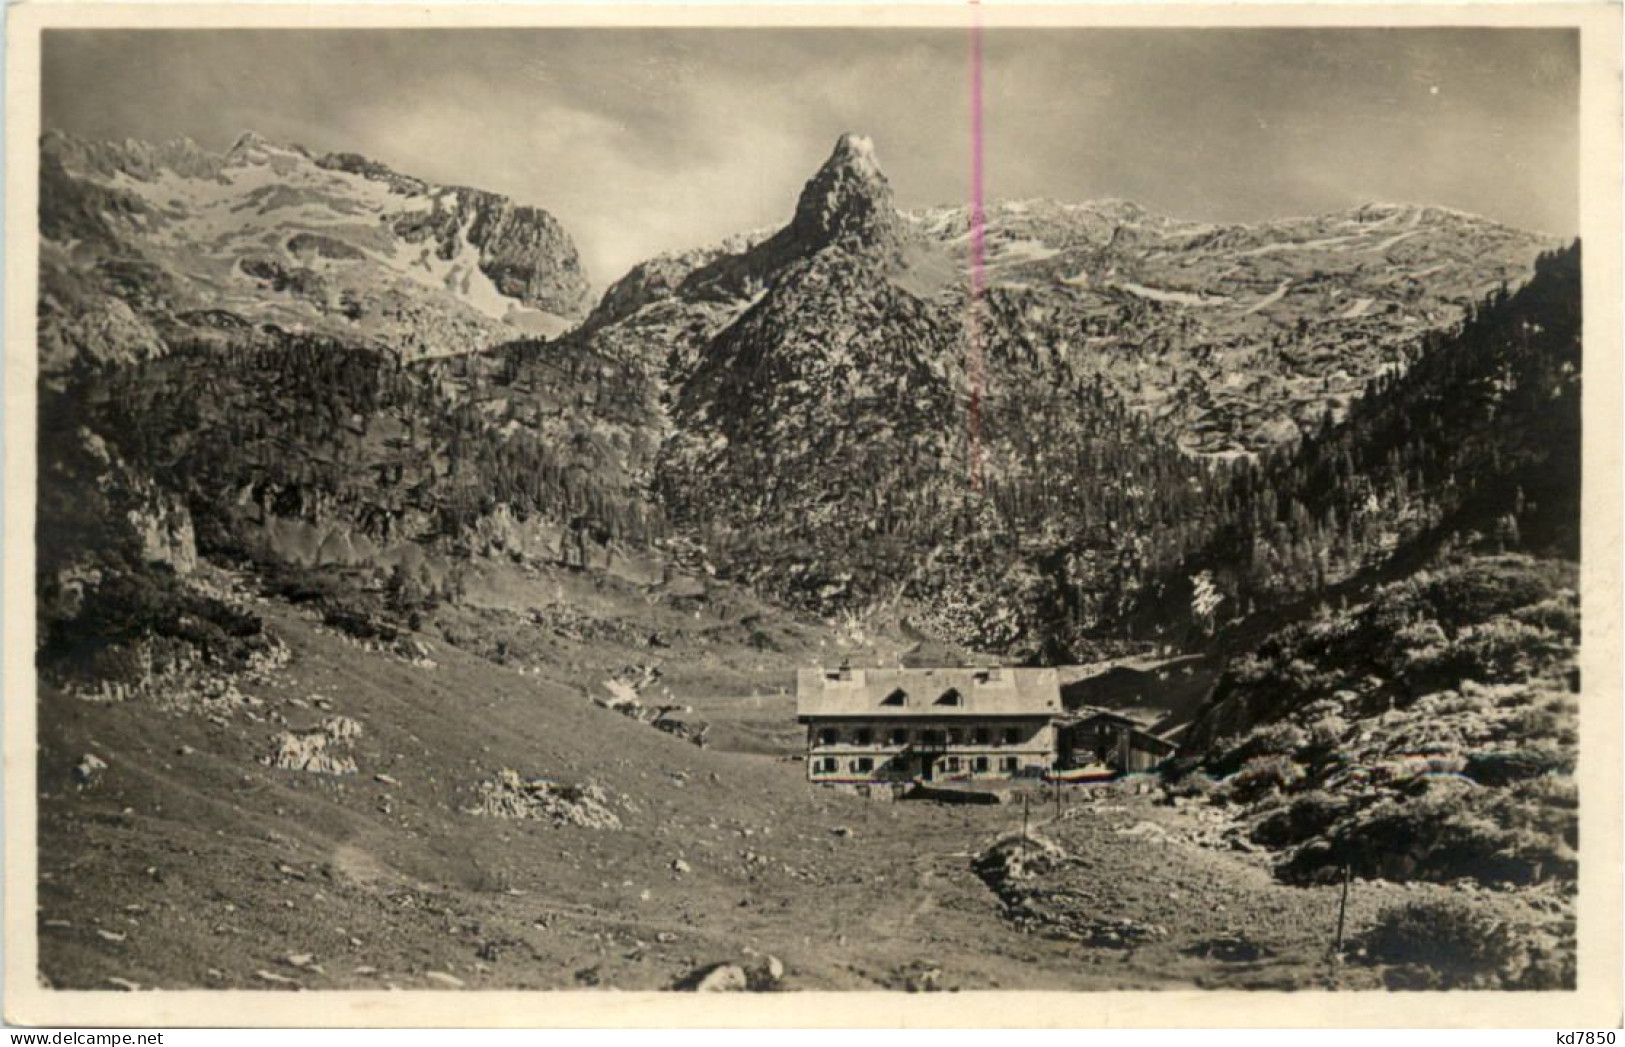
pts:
pixel 1342 911
pixel 1024 827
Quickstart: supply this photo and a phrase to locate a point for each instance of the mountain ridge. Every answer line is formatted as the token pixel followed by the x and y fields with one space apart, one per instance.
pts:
pixel 792 406
pixel 272 234
pixel 819 389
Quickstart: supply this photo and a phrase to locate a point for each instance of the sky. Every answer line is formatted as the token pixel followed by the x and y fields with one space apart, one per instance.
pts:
pixel 645 140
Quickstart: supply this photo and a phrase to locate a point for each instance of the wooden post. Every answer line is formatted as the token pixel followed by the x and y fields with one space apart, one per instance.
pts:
pixel 1024 826
pixel 1342 910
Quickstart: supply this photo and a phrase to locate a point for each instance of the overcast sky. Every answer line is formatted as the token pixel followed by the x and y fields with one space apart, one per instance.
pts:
pixel 646 140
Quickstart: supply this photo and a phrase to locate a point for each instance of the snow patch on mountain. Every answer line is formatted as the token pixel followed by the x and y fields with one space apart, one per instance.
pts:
pixel 1269 299
pixel 1157 294
pixel 335 244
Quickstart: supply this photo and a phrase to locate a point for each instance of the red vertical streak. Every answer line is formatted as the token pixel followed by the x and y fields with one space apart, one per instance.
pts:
pixel 978 276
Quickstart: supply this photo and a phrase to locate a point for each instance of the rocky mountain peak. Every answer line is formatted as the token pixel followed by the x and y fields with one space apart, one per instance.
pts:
pixel 252 147
pixel 250 139
pixel 848 200
pixel 856 152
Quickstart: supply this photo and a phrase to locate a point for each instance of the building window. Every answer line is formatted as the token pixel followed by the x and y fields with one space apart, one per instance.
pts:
pixel 1011 736
pixel 865 736
pixel 980 765
pixel 897 697
pixel 863 765
pixel 899 736
pixel 1011 763
pixel 950 697
pixel 955 736
pixel 931 737
pixel 953 764
pixel 827 736
pixel 827 765
pixel 981 736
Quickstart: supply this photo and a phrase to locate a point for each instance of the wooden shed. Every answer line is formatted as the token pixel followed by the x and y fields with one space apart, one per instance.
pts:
pixel 1112 739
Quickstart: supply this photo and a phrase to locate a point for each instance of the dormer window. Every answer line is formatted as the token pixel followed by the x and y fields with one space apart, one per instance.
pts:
pixel 951 697
pixel 897 697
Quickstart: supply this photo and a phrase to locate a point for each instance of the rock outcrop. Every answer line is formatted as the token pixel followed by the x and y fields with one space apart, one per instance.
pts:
pixel 511 795
pixel 323 749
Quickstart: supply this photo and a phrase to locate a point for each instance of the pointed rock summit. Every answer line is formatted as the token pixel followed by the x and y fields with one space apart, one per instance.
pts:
pixel 846 205
pixel 251 139
pixel 247 144
pixel 848 201
pixel 252 147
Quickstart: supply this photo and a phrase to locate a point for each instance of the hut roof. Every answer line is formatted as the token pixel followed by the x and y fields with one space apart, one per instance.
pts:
pixel 925 693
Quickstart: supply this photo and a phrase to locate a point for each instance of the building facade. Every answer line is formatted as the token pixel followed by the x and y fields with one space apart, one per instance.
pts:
pixel 1111 740
pixel 897 725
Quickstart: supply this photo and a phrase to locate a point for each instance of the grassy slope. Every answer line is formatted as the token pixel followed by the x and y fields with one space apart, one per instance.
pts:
pixel 213 867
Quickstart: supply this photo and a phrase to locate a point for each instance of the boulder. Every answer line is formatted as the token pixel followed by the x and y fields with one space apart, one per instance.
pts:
pixel 721 977
pixel 88 770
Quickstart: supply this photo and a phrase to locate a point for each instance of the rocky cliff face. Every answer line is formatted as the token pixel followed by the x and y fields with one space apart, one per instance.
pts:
pixel 523 250
pixel 527 254
pixel 271 236
pixel 97 330
pixel 99 517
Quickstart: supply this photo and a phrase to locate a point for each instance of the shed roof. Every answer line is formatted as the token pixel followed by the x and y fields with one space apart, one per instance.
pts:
pixel 1147 740
pixel 1097 715
pixel 922 693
